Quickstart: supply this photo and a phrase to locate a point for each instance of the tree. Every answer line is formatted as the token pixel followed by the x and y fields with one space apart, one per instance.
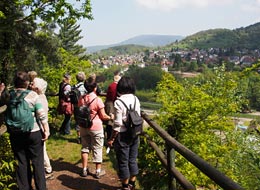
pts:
pixel 69 35
pixel 19 21
pixel 177 62
pixel 196 113
pixel 153 74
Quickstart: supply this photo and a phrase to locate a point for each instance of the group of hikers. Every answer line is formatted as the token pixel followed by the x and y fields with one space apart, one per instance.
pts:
pixel 28 139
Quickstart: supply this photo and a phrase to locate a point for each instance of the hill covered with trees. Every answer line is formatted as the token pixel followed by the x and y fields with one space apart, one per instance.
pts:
pixel 244 37
pixel 241 38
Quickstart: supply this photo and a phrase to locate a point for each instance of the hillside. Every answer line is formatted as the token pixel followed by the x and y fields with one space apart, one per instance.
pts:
pixel 142 40
pixel 152 40
pixel 121 49
pixel 244 37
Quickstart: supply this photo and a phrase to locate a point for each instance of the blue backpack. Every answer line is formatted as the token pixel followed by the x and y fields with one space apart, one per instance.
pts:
pixel 18 115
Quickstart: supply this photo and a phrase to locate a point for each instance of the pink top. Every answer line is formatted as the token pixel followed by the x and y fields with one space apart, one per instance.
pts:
pixel 95 106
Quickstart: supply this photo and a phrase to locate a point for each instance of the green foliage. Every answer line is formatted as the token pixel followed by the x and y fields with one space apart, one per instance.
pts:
pixel 54 74
pixel 196 114
pixel 120 50
pixel 51 11
pixel 244 163
pixel 69 34
pixel 7 164
pixel 107 76
pixel 253 90
pixel 151 166
pixel 21 48
pixel 146 95
pixel 153 74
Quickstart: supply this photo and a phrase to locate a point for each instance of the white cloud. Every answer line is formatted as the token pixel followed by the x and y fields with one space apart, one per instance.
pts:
pixel 251 6
pixel 175 4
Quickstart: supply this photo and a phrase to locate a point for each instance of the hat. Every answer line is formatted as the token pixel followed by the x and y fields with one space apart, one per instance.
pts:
pixel 117 78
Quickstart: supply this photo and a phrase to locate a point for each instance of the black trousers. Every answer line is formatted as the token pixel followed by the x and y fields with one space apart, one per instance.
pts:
pixel 28 149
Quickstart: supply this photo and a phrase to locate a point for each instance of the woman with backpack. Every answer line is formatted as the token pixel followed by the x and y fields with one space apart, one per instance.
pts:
pixel 92 137
pixel 65 106
pixel 125 146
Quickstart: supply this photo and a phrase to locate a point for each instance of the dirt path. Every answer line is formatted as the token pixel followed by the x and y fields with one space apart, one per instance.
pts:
pixel 66 177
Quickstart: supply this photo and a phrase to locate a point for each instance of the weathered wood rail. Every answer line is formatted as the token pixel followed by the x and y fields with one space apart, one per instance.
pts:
pixel 168 161
pixel 173 145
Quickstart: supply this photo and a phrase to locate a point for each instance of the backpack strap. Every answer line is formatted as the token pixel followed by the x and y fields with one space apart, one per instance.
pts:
pixel 61 90
pixel 88 104
pixel 126 105
pixel 78 85
pixel 23 93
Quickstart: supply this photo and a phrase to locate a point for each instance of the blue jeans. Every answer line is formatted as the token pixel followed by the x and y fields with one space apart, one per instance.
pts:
pixel 126 154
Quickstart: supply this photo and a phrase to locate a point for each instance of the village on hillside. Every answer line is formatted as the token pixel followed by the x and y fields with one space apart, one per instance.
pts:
pixel 166 59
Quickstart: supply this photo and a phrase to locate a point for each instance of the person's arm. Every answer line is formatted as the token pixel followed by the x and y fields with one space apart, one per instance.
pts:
pixel 104 116
pixel 46 131
pixel 4 94
pixel 43 118
pixel 112 138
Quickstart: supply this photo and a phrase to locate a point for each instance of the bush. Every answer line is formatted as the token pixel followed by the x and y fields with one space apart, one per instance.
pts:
pixel 7 164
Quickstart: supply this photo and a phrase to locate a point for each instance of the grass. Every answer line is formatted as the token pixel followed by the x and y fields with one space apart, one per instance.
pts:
pixel 245 115
pixel 65 147
pixel 150 105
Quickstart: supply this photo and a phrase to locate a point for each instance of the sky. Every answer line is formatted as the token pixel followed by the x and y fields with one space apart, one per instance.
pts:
pixel 118 20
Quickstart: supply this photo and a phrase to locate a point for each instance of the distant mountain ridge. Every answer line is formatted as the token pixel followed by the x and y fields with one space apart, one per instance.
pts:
pixel 243 37
pixel 150 40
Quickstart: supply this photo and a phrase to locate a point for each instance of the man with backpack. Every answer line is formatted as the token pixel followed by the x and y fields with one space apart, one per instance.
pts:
pixel 77 91
pixel 23 110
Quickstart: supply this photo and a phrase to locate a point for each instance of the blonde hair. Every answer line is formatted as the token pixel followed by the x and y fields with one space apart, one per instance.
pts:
pixel 32 75
pixel 81 76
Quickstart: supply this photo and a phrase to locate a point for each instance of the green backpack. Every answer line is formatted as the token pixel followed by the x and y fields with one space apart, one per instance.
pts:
pixel 19 116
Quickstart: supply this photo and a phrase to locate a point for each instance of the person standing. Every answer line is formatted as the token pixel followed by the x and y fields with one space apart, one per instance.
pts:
pixel 65 107
pixel 109 102
pixel 39 86
pixel 28 146
pixel 126 150
pixel 93 77
pixel 92 139
pixel 81 77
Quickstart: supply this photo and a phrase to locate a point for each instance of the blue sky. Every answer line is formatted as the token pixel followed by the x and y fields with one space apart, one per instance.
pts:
pixel 118 20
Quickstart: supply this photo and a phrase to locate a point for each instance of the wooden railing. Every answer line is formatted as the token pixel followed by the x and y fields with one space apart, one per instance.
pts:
pixel 173 145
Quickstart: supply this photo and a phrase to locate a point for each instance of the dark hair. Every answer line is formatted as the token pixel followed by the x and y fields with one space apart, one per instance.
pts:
pixel 90 85
pixel 126 85
pixel 117 72
pixel 21 80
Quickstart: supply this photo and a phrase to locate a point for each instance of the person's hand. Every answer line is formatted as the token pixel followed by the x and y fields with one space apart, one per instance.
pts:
pixel 2 87
pixel 46 135
pixel 112 116
pixel 110 143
